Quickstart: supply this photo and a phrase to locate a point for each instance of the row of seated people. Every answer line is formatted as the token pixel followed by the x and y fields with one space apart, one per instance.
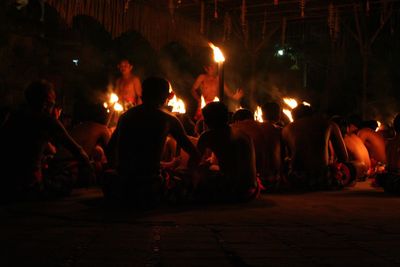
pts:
pixel 228 161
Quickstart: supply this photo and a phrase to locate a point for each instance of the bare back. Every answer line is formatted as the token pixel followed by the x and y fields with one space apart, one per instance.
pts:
pixel 308 142
pixel 375 144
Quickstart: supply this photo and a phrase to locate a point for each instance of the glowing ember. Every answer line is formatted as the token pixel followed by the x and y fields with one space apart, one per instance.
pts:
pixel 288 114
pixel 291 102
pixel 216 99
pixel 379 126
pixel 306 104
pixel 113 98
pixel 105 105
pixel 218 56
pixel 258 114
pixel 118 107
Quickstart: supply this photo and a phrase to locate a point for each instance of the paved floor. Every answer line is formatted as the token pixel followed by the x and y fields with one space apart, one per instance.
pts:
pixel 356 227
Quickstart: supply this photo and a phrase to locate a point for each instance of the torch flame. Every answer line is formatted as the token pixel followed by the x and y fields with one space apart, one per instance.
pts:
pixel 113 98
pixel 288 114
pixel 177 105
pixel 306 104
pixel 105 105
pixel 203 101
pixel 118 107
pixel 291 102
pixel 258 114
pixel 379 126
pixel 218 56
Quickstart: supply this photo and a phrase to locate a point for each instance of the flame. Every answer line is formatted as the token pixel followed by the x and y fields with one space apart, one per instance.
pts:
pixel 306 104
pixel 218 56
pixel 177 105
pixel 258 114
pixel 105 105
pixel 291 102
pixel 113 98
pixel 379 126
pixel 288 114
pixel 118 107
pixel 203 101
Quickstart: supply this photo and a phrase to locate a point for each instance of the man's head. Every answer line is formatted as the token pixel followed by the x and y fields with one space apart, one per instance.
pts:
pixel 211 69
pixel 125 67
pixel 40 96
pixel 302 111
pixel 155 91
pixel 242 114
pixel 271 111
pixel 215 115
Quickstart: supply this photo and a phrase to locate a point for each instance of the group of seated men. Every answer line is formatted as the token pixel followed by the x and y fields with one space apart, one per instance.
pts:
pixel 228 158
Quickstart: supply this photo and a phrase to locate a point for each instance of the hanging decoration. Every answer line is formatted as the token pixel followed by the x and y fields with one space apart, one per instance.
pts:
pixel 331 18
pixel 302 6
pixel 202 16
pixel 243 16
pixel 283 34
pixel 215 9
pixel 276 2
pixel 126 5
pixel 337 25
pixel 227 26
pixel 41 2
pixel 264 27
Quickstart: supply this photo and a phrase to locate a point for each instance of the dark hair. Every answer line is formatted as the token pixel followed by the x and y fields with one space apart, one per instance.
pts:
pixel 355 120
pixel 37 93
pixel 215 115
pixel 341 122
pixel 396 123
pixel 155 91
pixel 242 114
pixel 372 124
pixel 302 111
pixel 271 111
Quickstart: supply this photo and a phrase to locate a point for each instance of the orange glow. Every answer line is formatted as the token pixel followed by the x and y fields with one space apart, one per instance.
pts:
pixel 288 114
pixel 306 104
pixel 218 56
pixel 291 102
pixel 203 101
pixel 105 105
pixel 258 114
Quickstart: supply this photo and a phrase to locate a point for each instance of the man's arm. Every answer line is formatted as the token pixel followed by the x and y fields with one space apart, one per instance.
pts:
pixel 196 87
pixel 178 133
pixel 338 144
pixel 138 90
pixel 61 135
pixel 236 96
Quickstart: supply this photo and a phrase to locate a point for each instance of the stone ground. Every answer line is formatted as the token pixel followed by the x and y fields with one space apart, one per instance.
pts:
pixel 356 227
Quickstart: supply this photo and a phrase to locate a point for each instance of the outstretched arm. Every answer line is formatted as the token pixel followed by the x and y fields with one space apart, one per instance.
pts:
pixel 237 95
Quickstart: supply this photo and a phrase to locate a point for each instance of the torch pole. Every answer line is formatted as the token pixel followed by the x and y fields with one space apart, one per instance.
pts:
pixel 221 81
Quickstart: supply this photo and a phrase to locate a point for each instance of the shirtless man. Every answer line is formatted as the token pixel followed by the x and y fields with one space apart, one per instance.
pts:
pixel 234 151
pixel 128 86
pixel 375 144
pixel 25 136
pixel 307 140
pixel 358 153
pixel 207 85
pixel 139 141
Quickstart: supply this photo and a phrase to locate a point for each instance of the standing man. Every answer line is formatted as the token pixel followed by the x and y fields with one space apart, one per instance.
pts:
pixel 128 86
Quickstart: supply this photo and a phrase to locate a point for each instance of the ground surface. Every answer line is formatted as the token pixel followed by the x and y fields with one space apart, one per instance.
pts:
pixel 356 227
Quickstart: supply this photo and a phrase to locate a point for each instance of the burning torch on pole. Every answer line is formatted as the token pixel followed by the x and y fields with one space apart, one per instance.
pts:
pixel 220 59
